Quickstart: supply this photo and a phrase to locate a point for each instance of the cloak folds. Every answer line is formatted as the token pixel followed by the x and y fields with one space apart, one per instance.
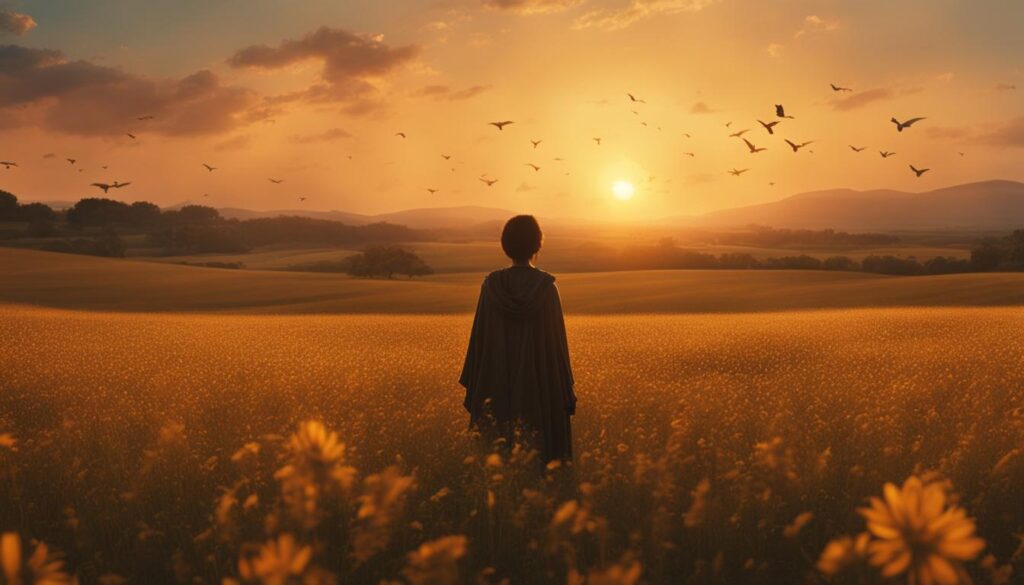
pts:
pixel 517 371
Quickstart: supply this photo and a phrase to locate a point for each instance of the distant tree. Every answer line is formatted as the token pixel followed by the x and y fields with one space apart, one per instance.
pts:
pixel 386 261
pixel 8 206
pixel 1016 245
pixel 36 212
pixel 891 265
pixel 95 211
pixel 192 214
pixel 801 262
pixel 988 255
pixel 143 214
pixel 225 238
pixel 42 228
pixel 738 261
pixel 839 263
pixel 944 265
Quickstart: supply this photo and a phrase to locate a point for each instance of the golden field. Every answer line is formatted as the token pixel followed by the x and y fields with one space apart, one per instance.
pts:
pixel 173 424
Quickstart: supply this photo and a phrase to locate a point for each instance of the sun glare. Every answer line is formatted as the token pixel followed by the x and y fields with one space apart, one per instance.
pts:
pixel 623 190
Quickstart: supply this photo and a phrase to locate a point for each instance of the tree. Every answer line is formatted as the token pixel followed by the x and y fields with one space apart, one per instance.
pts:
pixel 32 212
pixel 988 255
pixel 8 206
pixel 386 261
pixel 839 263
pixel 95 211
pixel 891 265
pixel 193 214
pixel 143 214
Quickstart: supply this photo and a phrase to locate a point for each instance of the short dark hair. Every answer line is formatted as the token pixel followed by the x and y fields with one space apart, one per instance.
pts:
pixel 521 238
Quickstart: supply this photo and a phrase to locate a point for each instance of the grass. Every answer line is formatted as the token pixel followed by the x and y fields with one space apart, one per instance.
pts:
pixel 715 448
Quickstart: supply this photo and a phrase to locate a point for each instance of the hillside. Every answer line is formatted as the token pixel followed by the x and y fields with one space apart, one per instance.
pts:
pixel 988 205
pixel 88 283
pixel 423 218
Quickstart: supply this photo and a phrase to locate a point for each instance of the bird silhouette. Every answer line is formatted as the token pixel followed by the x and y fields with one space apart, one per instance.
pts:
pixel 633 98
pixel 771 184
pixel 644 124
pixel 781 112
pixel 738 172
pixel 206 194
pixel 960 153
pixel 559 159
pixel 71 160
pixel 536 143
pixel 130 135
pixel 598 141
pixel 885 153
pixel 753 149
pixel 8 164
pixel 687 135
pixel 118 185
pixel 302 198
pixel 400 134
pixel 533 166
pixel 901 125
pixel 446 156
pixel 839 88
pixel 209 168
pixel 144 118
pixel 769 126
pixel 106 187
pixel 501 125
pixel 740 133
pixel 918 171
pixel 796 147
pixel 855 149
pixel 276 181
pixel 689 154
pixel 489 182
pixel 431 191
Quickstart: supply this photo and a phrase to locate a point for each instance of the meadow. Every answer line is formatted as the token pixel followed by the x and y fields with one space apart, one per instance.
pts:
pixel 161 446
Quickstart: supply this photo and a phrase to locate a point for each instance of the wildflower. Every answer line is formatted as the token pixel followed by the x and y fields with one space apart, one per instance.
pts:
pixel 801 520
pixel 843 552
pixel 313 446
pixel 918 533
pixel 436 562
pixel 8 441
pixel 43 567
pixel 380 508
pixel 277 562
pixel 698 509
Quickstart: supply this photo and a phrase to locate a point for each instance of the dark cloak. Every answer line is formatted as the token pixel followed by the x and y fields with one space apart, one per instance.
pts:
pixel 517 373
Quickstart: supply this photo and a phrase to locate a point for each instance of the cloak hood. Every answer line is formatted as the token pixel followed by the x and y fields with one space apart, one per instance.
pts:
pixel 518 291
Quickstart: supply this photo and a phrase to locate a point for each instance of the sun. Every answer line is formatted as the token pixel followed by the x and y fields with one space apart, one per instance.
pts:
pixel 623 190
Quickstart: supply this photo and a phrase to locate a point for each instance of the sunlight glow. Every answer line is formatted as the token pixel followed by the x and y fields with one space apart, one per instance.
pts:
pixel 623 190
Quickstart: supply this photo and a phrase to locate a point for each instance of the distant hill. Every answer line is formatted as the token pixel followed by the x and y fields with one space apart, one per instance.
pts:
pixel 988 205
pixel 423 218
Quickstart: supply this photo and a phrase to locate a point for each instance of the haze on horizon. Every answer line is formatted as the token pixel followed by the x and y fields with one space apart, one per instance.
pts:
pixel 262 89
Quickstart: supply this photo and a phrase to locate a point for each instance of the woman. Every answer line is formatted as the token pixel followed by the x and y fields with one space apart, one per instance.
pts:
pixel 517 374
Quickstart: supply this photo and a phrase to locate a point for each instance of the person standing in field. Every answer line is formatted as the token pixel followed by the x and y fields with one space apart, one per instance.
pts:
pixel 517 373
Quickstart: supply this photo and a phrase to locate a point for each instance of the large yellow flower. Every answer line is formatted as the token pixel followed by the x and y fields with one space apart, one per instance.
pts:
pixel 279 562
pixel 917 532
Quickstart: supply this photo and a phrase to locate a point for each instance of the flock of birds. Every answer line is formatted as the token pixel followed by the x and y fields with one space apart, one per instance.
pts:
pixel 770 127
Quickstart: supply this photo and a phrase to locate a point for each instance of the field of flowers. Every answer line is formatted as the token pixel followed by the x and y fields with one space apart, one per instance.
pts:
pixel 858 446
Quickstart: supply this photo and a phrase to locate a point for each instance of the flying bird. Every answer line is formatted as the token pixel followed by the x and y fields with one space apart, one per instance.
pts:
pixel 8 164
pixel 918 171
pixel 130 135
pixel 501 125
pixel 687 135
pixel 598 141
pixel 71 160
pixel 738 172
pixel 796 146
pixel 855 149
pixel 302 198
pixel 633 98
pixel 490 182
pixel 446 156
pixel 431 191
pixel 144 118
pixel 276 181
pixel 839 88
pixel 781 112
pixel 740 133
pixel 118 185
pixel 401 134
pixel 885 153
pixel 960 153
pixel 106 187
pixel 536 143
pixel 209 168
pixel 753 149
pixel 727 124
pixel 901 125
pixel 771 184
pixel 689 154
pixel 533 166
pixel 769 126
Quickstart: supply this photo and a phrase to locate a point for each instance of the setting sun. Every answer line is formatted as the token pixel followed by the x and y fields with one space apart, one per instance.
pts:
pixel 623 190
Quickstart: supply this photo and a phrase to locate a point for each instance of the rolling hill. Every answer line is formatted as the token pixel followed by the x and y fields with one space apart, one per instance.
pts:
pixel 988 205
pixel 101 284
pixel 423 218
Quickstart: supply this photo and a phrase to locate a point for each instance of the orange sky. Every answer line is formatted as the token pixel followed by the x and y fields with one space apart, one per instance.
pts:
pixel 262 89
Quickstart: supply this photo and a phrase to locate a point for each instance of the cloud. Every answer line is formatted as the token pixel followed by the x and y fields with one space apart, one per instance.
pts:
pixel 636 10
pixel 234 143
pixel 15 22
pixel 945 77
pixel 351 64
pixel 445 92
pixel 79 97
pixel 1009 134
pixel 860 99
pixel 532 6
pixel 814 23
pixel 701 108
pixel 948 132
pixel 525 187
pixel 1005 87
pixel 774 49
pixel 325 136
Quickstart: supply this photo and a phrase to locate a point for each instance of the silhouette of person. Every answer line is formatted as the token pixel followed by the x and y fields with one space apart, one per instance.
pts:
pixel 517 374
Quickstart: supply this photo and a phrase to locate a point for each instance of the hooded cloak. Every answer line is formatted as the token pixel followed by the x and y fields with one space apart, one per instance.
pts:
pixel 517 372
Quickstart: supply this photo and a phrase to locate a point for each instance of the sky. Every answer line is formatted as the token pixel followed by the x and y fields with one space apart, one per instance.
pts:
pixel 313 94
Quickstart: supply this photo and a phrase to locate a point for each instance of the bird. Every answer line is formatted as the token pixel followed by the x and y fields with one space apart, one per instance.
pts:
pixel 118 185
pixel 839 88
pixel 276 181
pixel 960 153
pixel 106 188
pixel 740 133
pixel 533 166
pixel 130 135
pixel 633 98
pixel 144 118
pixel 855 149
pixel 644 124
pixel 753 149
pixel 559 159
pixel 490 182
pixel 885 153
pixel 400 134
pixel 727 124
pixel 302 198
pixel 781 112
pixel 8 164
pixel 209 168
pixel 918 171
pixel 769 126
pixel 431 191
pixel 71 160
pixel 901 125
pixel 501 125
pixel 738 172
pixel 598 141
pixel 104 167
pixel 206 194
pixel 689 154
pixel 536 143
pixel 771 184
pixel 796 146
pixel 446 156
pixel 687 135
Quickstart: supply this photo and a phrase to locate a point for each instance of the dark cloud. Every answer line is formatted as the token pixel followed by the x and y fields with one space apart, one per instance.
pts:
pixel 1009 134
pixel 701 108
pixel 445 92
pixel 325 136
pixel 532 6
pixel 79 97
pixel 860 99
pixel 350 63
pixel 15 22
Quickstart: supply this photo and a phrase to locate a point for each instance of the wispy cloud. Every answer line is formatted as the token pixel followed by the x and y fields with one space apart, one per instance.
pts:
pixel 814 23
pixel 636 10
pixel 325 136
pixel 443 92
pixel 532 6
pixel 701 108
pixel 1010 134
pixel 860 99
pixel 15 23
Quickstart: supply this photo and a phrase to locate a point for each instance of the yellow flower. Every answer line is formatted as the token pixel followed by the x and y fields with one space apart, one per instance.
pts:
pixel 918 533
pixel 314 442
pixel 43 567
pixel 843 552
pixel 277 562
pixel 436 562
